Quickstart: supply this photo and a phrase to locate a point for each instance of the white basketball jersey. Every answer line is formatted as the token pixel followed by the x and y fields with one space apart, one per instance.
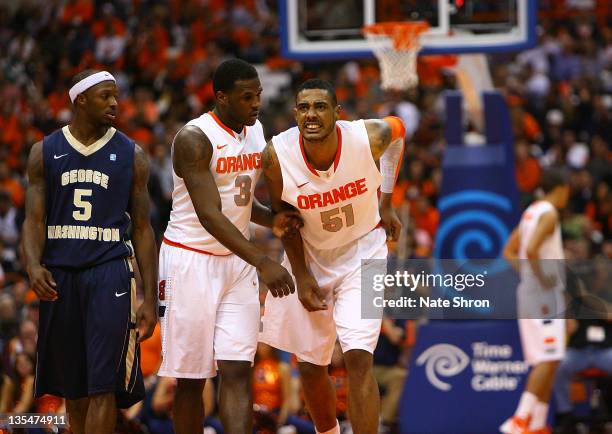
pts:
pixel 236 167
pixel 552 247
pixel 550 253
pixel 340 205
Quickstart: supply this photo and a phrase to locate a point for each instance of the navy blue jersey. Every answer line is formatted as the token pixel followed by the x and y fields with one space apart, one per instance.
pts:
pixel 87 195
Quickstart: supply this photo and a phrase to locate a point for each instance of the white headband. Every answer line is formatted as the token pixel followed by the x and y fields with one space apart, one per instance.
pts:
pixel 88 82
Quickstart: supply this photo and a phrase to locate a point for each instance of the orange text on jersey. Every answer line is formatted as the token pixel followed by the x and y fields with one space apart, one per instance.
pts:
pixel 239 163
pixel 335 195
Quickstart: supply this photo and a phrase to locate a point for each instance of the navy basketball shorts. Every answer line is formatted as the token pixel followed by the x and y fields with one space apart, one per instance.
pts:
pixel 87 338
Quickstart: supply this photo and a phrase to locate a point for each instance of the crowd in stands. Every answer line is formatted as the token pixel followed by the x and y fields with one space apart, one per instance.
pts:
pixel 163 54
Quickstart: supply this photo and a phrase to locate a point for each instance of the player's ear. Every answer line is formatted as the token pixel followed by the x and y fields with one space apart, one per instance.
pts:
pixel 295 114
pixel 221 97
pixel 337 111
pixel 81 99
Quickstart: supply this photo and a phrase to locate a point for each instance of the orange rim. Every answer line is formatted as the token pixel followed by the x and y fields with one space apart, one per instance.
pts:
pixel 405 35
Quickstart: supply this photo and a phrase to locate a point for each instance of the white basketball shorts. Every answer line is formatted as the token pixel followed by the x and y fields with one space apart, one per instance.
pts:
pixel 209 311
pixel 311 335
pixel 541 323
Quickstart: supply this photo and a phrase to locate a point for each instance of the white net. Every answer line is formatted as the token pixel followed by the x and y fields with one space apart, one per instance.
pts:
pixel 396 49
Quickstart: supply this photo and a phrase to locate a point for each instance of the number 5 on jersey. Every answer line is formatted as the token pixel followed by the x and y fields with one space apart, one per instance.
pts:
pixel 332 222
pixel 84 212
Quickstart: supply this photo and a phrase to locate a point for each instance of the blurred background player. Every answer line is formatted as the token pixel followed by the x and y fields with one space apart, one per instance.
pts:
pixel 208 286
pixel 87 183
pixel 537 244
pixel 327 170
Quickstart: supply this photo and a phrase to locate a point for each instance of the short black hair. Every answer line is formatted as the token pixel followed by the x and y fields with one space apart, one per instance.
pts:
pixel 317 83
pixel 552 179
pixel 231 71
pixel 83 74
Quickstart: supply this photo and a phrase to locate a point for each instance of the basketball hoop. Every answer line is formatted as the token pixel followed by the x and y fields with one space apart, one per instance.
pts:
pixel 396 46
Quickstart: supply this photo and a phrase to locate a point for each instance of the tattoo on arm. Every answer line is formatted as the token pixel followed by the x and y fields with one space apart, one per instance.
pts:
pixel 379 134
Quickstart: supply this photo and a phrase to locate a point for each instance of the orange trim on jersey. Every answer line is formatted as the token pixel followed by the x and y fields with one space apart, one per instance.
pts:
pixel 336 158
pixel 225 127
pixel 339 150
pixel 182 246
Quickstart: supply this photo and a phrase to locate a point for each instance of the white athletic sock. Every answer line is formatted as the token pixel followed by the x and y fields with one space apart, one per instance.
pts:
pixel 526 405
pixel 540 412
pixel 334 430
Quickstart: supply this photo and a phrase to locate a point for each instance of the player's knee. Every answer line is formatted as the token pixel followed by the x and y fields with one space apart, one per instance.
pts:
pixel 310 372
pixel 101 399
pixel 193 386
pixel 234 371
pixel 359 363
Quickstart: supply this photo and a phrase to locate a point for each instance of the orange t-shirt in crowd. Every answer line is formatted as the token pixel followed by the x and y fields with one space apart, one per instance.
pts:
pixel 98 28
pixel 528 174
pixel 530 127
pixel 427 220
pixel 15 189
pixel 83 9
pixel 267 387
pixel 150 353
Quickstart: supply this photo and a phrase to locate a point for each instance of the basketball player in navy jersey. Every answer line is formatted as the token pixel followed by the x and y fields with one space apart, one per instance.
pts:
pixel 87 184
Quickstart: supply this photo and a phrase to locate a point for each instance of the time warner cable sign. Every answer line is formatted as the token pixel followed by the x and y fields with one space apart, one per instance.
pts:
pixel 452 382
pixel 492 366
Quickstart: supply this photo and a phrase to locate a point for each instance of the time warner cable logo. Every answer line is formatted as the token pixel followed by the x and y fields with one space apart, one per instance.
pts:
pixel 442 360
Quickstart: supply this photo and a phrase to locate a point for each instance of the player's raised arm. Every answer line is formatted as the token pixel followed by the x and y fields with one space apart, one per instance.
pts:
pixel 386 138
pixel 191 160
pixel 308 289
pixel 144 244
pixel 34 237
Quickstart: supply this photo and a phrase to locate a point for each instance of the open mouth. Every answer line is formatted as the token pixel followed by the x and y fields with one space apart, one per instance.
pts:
pixel 310 126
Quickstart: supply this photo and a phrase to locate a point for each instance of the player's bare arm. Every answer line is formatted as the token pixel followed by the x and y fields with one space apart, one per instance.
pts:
pixel 191 160
pixel 511 249
pixel 282 223
pixel 309 292
pixel 144 244
pixel 34 237
pixel 261 214
pixel 545 228
pixel 386 138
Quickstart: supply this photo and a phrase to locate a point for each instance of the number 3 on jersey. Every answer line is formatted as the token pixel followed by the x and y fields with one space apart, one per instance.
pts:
pixel 84 212
pixel 333 223
pixel 243 198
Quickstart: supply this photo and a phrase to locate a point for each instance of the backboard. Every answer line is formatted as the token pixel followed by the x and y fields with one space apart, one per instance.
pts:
pixel 331 29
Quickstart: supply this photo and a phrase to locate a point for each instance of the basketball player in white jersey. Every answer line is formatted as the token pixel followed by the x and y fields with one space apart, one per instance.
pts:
pixel 327 170
pixel 208 286
pixel 537 247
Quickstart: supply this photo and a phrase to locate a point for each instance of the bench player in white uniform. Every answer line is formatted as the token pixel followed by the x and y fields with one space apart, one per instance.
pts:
pixel 208 287
pixel 327 170
pixel 536 243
